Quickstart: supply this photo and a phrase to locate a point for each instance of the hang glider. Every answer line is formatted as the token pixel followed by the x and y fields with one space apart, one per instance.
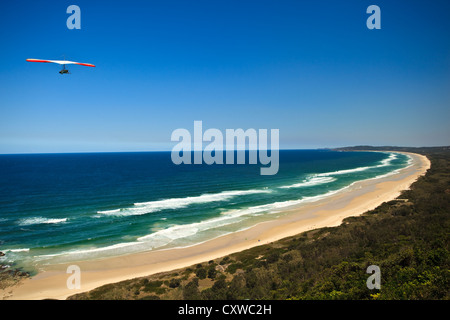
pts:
pixel 61 62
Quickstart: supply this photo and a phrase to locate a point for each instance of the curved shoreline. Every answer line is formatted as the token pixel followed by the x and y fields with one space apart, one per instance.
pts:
pixel 359 198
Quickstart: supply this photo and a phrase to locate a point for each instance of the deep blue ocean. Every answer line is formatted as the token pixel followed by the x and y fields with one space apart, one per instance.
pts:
pixel 64 207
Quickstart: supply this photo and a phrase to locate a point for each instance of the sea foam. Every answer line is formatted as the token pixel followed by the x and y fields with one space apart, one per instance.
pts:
pixel 40 220
pixel 383 163
pixel 166 236
pixel 176 203
pixel 310 182
pixel 16 250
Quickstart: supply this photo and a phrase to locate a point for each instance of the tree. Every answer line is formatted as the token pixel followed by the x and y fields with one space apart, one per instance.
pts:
pixel 191 291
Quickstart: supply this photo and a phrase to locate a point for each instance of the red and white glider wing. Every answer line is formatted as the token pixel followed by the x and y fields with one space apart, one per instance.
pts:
pixel 61 62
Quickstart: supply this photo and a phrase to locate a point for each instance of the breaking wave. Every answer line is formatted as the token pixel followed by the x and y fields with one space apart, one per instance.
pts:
pixel 40 220
pixel 176 203
pixel 383 163
pixel 310 182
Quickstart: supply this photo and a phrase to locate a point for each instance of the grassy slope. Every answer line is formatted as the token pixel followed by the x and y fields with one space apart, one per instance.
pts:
pixel 408 240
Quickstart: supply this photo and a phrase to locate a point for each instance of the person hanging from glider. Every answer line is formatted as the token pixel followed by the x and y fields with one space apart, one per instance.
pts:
pixel 61 62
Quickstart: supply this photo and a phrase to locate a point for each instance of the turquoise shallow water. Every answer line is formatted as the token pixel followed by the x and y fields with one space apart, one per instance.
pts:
pixel 64 207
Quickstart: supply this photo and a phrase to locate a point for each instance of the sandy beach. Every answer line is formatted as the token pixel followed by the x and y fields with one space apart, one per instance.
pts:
pixel 352 201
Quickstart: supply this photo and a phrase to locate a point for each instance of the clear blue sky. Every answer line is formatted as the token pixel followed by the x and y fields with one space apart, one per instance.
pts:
pixel 309 68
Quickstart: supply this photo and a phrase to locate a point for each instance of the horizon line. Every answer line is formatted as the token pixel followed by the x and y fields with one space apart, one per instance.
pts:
pixel 284 149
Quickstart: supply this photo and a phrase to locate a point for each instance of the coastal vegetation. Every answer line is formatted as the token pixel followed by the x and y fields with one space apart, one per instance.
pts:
pixel 407 238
